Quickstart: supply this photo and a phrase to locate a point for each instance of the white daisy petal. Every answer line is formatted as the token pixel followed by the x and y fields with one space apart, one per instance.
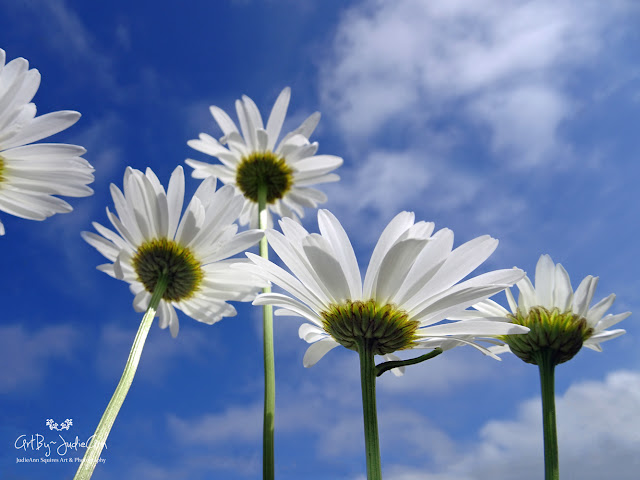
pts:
pixel 562 292
pixel 253 114
pixel 308 126
pixel 391 233
pixel 545 279
pixel 246 126
pixel 610 320
pixel 175 199
pixel 527 297
pixel 596 312
pixel 174 325
pixel 284 280
pixel 297 261
pixel 332 230
pixel 224 121
pixel 462 261
pixel 475 328
pixel 316 166
pixel 289 304
pixel 262 140
pixel 41 127
pixel 598 338
pixel 429 261
pixel 583 295
pixel 395 267
pixel 311 333
pixel 306 182
pixel 277 116
pixel 512 301
pixel 329 272
pixel 318 350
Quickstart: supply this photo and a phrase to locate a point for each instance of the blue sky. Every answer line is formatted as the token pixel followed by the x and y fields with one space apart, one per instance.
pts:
pixel 511 118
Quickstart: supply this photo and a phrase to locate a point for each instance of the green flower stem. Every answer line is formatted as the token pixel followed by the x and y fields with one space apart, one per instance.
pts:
pixel 268 461
pixel 368 382
pixel 99 438
pixel 383 367
pixel 547 365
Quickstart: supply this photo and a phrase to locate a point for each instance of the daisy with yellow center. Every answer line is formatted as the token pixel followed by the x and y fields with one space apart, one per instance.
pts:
pixel 151 240
pixel 170 260
pixel 561 322
pixel 252 156
pixel 410 287
pixel 30 174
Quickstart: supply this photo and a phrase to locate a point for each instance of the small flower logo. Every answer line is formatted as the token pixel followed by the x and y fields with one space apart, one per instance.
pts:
pixel 63 426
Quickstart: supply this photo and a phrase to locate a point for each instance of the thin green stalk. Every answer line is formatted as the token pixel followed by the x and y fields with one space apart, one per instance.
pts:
pixel 547 365
pixel 268 461
pixel 369 410
pixel 383 367
pixel 99 438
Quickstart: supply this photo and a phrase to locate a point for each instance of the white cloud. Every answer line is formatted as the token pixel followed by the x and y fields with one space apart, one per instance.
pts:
pixel 383 183
pixel 471 114
pixel 195 466
pixel 524 122
pixel 27 356
pixel 598 436
pixel 504 64
pixel 379 185
pixel 597 423
pixel 241 424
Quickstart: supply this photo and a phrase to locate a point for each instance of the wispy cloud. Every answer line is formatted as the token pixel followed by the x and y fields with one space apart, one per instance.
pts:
pixel 506 65
pixel 597 434
pixel 597 429
pixel 28 356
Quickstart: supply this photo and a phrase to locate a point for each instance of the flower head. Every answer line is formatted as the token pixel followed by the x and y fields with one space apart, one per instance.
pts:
pixel 152 240
pixel 31 174
pixel 287 169
pixel 409 287
pixel 560 319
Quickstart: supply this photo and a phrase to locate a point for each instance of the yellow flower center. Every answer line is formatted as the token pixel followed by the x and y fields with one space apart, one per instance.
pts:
pixel 264 168
pixel 162 256
pixel 561 334
pixel 385 328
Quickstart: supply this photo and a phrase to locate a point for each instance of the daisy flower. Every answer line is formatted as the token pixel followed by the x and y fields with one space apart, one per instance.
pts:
pixel 560 319
pixel 410 287
pixel 151 240
pixel 560 322
pixel 30 174
pixel 254 158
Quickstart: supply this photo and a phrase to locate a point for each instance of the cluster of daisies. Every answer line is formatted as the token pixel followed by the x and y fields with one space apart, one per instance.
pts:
pixel 412 293
pixel 418 290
